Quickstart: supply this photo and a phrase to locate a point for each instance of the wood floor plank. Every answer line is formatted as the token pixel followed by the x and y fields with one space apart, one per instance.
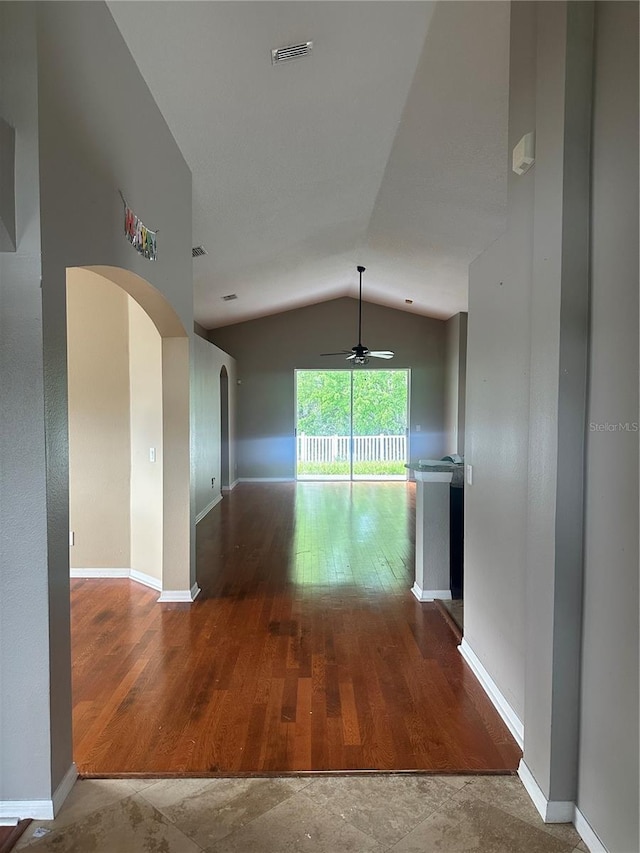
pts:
pixel 305 651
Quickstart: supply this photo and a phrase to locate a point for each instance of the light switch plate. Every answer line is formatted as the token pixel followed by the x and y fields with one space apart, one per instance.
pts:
pixel 469 469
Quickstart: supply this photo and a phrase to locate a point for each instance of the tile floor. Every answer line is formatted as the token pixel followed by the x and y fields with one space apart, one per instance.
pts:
pixel 344 814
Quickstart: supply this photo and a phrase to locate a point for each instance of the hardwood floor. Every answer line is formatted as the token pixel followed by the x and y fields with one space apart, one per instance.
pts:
pixel 304 652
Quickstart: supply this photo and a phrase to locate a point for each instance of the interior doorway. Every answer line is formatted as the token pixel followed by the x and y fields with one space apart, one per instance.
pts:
pixel 352 424
pixel 224 429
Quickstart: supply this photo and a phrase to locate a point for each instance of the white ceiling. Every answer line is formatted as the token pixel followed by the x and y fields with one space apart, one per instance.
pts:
pixel 386 147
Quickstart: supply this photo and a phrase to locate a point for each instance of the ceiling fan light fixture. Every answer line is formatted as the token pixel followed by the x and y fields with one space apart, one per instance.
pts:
pixel 360 354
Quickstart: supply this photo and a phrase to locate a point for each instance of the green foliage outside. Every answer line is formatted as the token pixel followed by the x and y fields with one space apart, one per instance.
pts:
pixel 379 402
pixel 328 469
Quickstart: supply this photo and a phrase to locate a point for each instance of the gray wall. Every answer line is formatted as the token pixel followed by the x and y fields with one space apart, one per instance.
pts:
pixel 24 688
pixel 269 349
pixel 96 130
pixel 608 781
pixel 527 416
pixel 455 382
pixel 208 360
pixel 497 414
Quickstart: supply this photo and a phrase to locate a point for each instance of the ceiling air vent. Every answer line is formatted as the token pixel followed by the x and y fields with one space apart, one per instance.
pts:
pixel 229 297
pixel 198 251
pixel 294 51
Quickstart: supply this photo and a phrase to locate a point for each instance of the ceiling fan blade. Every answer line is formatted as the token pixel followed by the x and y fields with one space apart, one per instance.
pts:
pixel 382 354
pixel 342 352
pixel 353 355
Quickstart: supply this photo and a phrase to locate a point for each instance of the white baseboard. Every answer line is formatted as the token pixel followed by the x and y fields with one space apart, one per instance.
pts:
pixel 231 487
pixel 131 574
pixel 145 580
pixel 584 830
pixel 430 594
pixel 514 724
pixel 208 508
pixel 40 809
pixel 180 595
pixel 551 811
pixel 265 480
pixel 100 573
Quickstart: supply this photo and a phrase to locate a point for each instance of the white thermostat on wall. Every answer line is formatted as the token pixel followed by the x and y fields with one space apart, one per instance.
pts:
pixel 524 154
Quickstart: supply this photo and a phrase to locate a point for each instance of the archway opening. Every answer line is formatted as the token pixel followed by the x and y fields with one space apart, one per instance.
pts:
pixel 129 433
pixel 225 481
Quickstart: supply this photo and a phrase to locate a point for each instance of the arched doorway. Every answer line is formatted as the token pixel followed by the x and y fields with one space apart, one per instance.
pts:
pixel 169 454
pixel 225 481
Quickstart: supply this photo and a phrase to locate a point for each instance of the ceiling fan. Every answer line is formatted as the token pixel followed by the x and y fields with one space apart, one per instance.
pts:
pixel 360 354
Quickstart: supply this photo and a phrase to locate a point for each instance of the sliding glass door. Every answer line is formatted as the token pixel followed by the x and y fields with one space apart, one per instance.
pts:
pixel 351 424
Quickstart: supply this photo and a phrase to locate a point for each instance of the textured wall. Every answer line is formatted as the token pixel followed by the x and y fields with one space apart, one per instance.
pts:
pixel 84 116
pixel 608 783
pixel 24 708
pixel 145 412
pixel 497 414
pixel 99 426
pixel 206 446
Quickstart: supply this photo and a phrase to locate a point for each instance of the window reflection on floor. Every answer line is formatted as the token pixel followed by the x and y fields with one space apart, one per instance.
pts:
pixel 352 534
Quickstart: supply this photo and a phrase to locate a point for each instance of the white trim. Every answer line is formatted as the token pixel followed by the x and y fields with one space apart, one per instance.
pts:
pixel 145 579
pixel 551 811
pixel 585 831
pixel 265 480
pixel 231 487
pixel 430 594
pixel 130 574
pixel 208 508
pixel 432 476
pixel 100 573
pixel 41 809
pixel 184 595
pixel 514 724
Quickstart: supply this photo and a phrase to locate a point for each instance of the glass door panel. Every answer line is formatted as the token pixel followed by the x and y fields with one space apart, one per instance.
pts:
pixel 323 424
pixel 351 424
pixel 379 424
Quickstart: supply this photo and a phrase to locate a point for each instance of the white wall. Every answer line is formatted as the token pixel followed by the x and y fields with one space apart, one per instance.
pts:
pixel 608 782
pixel 208 360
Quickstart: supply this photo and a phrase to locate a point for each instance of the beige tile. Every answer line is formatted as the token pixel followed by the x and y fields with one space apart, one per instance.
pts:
pixel 508 793
pixel 581 848
pixel 86 797
pixel 471 825
pixel 128 826
pixel 297 826
pixel 386 807
pixel 209 809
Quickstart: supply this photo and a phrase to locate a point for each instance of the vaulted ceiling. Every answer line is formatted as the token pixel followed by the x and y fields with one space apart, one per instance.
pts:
pixel 385 147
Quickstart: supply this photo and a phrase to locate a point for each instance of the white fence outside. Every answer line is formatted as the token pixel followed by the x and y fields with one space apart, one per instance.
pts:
pixel 366 448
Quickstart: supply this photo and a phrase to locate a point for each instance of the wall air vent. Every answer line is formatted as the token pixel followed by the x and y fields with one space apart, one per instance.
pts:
pixel 198 251
pixel 229 297
pixel 294 51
